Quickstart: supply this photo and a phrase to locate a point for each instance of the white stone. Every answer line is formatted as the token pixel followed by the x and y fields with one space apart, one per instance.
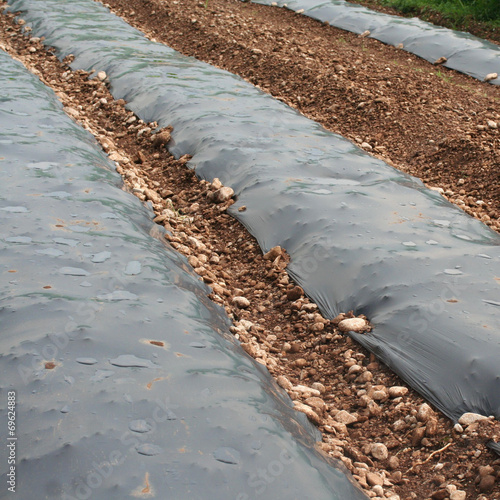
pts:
pixel 397 391
pixel 223 194
pixel 102 75
pixel 241 302
pixel 379 451
pixel 216 183
pixel 346 418
pixel 469 418
pixel 425 412
pixel 284 382
pixel 319 387
pixel 306 390
pixel 352 325
pixel 490 76
pixel 311 414
pixel 492 124
pixel 458 495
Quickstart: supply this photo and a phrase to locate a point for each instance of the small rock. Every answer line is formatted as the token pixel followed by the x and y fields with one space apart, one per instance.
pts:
pixel 365 377
pixel 284 382
pixel 439 494
pixel 469 418
pixel 102 75
pixel 216 184
pixel 356 325
pixel 223 194
pixel 365 34
pixel 319 387
pixel 487 484
pixel 458 428
pixel 273 253
pixel 393 462
pixel 306 390
pixel 486 470
pixel 441 60
pixel 431 428
pixel 345 417
pixel 300 363
pixel 458 495
pixel 317 404
pixel 379 395
pixel 163 137
pixel 490 76
pixel 397 391
pixel 417 435
pixel 373 479
pixel 425 412
pixel 311 414
pixel 241 302
pixel 379 451
pixel 366 146
pixel 492 124
pixel 294 294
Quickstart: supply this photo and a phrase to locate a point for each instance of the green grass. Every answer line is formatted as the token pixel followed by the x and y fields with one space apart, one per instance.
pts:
pixel 457 12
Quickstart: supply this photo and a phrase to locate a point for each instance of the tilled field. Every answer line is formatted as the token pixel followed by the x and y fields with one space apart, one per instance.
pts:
pixel 429 122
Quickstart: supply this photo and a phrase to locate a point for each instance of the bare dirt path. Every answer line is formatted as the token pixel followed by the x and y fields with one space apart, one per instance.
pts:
pixel 395 445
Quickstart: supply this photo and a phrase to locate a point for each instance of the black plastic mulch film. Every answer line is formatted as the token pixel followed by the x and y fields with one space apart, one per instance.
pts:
pixel 127 382
pixel 464 52
pixel 362 235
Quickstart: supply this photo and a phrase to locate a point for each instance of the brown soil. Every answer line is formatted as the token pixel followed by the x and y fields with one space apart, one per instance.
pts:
pixel 355 401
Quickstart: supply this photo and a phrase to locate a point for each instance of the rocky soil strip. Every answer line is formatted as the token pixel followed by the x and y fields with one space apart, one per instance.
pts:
pixel 431 122
pixel 395 444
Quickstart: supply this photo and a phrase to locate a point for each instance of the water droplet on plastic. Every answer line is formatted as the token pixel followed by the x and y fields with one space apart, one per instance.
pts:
pixel 409 244
pixel 140 426
pixel 86 361
pixel 66 241
pixel 19 239
pixel 431 242
pixel 197 345
pixel 483 256
pixel 442 223
pixel 73 271
pixel 491 302
pixel 133 268
pixel 453 272
pixel 148 449
pixel 101 257
pixel 227 455
pixel 131 361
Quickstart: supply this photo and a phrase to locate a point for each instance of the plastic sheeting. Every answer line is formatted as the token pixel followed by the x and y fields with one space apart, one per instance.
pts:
pixel 464 52
pixel 127 384
pixel 361 234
